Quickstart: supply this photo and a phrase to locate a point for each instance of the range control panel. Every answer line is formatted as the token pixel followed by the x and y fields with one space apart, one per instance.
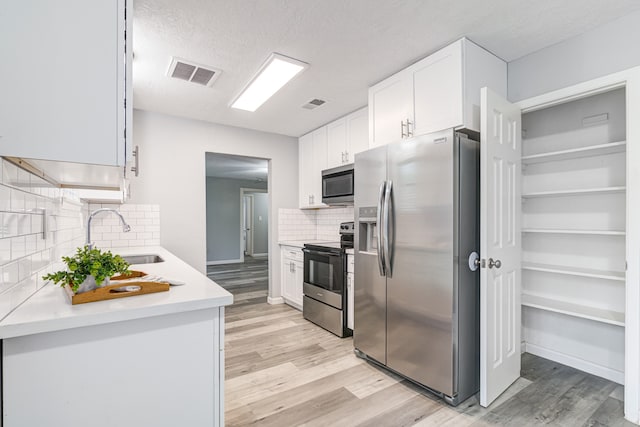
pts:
pixel 346 227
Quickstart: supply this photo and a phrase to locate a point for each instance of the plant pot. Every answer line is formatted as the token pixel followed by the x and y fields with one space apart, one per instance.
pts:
pixel 90 284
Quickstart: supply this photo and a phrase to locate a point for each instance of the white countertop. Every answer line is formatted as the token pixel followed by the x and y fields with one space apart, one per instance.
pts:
pixel 49 309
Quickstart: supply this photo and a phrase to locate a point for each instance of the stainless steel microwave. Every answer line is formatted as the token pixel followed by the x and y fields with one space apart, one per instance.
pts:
pixel 337 185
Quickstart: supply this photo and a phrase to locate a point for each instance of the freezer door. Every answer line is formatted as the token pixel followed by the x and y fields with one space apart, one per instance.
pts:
pixel 420 292
pixel 370 296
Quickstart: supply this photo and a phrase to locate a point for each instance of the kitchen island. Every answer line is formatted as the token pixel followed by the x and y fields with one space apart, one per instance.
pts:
pixel 148 360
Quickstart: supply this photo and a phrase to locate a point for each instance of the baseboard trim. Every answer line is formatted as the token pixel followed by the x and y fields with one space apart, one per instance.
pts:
pixel 260 255
pixel 276 300
pixel 225 261
pixel 575 362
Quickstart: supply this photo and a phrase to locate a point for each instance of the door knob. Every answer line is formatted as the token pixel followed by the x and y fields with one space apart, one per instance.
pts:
pixel 497 263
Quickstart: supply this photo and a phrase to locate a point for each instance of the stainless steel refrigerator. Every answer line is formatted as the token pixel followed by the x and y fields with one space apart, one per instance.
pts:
pixel 416 292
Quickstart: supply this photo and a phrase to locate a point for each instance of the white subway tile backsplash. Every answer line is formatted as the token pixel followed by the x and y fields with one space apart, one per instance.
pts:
pixel 106 230
pixel 5 198
pixel 24 255
pixel 323 224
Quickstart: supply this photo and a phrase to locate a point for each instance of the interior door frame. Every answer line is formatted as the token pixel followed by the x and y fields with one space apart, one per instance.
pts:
pixel 245 191
pixel 247 224
pixel 630 80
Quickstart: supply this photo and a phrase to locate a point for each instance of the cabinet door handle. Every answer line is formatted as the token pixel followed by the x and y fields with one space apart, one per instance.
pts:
pixel 293 267
pixel 409 127
pixel 136 167
pixel 402 125
pixel 346 157
pixel 312 198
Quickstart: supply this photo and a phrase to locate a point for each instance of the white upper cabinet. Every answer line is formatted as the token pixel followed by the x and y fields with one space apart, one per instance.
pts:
pixel 357 133
pixel 390 106
pixel 346 137
pixel 65 74
pixel 439 92
pixel 312 152
pixel 336 143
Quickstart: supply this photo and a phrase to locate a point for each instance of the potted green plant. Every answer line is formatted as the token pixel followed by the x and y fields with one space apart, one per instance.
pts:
pixel 89 269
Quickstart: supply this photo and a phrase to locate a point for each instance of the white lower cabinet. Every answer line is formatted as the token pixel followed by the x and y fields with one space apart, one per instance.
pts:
pixel 350 290
pixel 292 275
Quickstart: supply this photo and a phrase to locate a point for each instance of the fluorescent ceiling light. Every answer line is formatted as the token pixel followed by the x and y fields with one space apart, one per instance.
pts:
pixel 273 74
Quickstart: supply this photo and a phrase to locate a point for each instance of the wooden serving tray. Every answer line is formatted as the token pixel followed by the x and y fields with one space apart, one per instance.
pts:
pixel 117 289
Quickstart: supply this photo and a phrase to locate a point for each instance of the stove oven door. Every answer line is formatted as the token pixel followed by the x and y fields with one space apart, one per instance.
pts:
pixel 324 276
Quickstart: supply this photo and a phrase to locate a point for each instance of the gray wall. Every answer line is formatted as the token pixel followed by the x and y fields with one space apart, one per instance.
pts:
pixel 604 50
pixel 224 214
pixel 260 223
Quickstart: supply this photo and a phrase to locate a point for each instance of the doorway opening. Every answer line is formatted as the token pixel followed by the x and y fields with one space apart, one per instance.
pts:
pixel 238 216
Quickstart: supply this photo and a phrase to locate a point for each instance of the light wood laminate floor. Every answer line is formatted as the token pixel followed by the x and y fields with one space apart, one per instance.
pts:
pixel 284 371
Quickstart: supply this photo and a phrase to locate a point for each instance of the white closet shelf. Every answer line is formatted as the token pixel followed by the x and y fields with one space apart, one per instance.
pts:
pixel 580 192
pixel 576 153
pixel 575 271
pixel 569 231
pixel 577 310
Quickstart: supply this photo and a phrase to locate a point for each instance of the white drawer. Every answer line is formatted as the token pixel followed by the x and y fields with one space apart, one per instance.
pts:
pixel 350 262
pixel 292 253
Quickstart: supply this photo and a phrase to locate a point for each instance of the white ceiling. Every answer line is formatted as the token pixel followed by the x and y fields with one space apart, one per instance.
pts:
pixel 349 45
pixel 236 167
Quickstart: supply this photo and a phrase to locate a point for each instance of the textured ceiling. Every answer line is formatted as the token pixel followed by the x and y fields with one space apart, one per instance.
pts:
pixel 236 167
pixel 349 45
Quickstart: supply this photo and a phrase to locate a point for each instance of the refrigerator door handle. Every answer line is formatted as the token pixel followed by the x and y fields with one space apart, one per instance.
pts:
pixel 380 242
pixel 388 231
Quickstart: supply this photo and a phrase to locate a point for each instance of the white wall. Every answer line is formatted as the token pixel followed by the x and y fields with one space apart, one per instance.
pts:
pixel 172 175
pixel 607 49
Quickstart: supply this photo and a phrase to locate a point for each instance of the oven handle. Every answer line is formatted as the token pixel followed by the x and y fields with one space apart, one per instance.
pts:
pixel 309 251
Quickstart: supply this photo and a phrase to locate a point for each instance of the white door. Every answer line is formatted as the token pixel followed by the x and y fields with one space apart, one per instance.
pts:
pixel 500 246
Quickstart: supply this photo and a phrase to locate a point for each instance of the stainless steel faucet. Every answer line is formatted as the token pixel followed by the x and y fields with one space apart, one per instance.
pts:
pixel 125 227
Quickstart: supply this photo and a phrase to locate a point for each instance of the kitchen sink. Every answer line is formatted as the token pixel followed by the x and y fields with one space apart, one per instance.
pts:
pixel 142 259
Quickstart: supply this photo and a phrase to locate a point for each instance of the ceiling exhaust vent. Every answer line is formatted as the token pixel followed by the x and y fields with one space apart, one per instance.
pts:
pixel 193 72
pixel 314 103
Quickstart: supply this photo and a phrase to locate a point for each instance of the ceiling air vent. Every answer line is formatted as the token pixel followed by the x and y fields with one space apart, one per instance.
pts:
pixel 193 72
pixel 314 103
